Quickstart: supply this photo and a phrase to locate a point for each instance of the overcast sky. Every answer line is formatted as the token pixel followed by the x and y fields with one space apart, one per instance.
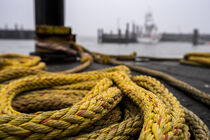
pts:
pixel 85 16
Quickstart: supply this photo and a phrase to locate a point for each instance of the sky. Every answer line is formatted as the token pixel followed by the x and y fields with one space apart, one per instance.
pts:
pixel 86 16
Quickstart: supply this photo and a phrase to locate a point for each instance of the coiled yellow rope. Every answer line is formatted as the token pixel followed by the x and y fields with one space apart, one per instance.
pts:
pixel 18 60
pixel 92 116
pixel 197 59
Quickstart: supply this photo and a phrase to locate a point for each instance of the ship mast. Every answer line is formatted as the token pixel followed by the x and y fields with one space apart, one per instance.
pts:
pixel 149 24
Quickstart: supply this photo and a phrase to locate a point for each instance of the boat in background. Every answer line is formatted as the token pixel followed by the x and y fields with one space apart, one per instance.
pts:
pixel 149 34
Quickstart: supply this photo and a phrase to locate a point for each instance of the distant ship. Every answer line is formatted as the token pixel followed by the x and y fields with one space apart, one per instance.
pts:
pixel 150 31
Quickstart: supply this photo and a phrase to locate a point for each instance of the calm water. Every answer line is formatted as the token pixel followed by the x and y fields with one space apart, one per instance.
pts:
pixel 163 49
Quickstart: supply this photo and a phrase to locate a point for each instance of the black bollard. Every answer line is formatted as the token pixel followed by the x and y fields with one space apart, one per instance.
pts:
pixel 49 12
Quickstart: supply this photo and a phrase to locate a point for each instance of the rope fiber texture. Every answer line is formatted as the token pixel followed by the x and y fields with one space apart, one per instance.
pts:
pixel 103 104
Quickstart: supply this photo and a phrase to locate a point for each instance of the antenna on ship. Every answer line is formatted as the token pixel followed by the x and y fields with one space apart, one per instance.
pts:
pixel 118 23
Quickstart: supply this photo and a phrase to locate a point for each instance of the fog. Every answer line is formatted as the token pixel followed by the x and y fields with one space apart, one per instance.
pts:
pixel 85 16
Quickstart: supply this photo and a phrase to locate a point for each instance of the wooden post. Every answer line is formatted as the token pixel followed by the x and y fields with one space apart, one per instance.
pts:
pixel 195 37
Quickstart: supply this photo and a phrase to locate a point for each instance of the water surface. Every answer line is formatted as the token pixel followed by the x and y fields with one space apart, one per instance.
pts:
pixel 162 49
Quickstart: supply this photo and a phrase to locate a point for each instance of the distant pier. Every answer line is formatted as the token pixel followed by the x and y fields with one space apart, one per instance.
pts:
pixel 127 37
pixel 17 34
pixel 191 37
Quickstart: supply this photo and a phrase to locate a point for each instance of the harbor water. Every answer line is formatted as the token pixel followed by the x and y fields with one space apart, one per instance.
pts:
pixel 161 49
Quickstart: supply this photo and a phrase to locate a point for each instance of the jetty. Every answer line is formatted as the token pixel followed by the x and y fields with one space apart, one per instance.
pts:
pixel 127 37
pixel 16 34
pixel 184 37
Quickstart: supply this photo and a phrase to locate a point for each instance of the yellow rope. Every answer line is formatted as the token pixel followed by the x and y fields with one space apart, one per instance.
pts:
pixel 86 60
pixel 197 59
pixel 17 60
pixel 44 100
pixel 86 105
pixel 194 92
pixel 148 104
pixel 200 130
